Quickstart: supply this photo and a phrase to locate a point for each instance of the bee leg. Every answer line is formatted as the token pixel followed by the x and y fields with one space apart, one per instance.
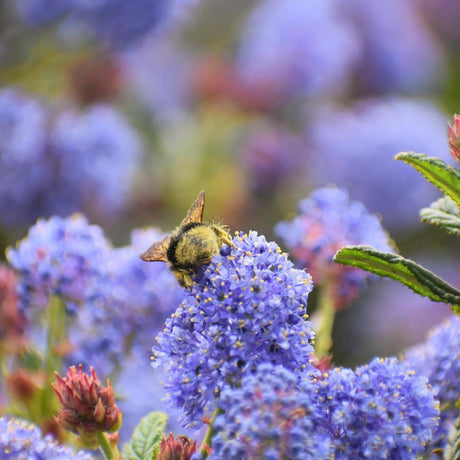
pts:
pixel 183 277
pixel 223 236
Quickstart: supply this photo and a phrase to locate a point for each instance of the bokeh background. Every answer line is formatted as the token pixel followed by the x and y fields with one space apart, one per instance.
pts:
pixel 124 111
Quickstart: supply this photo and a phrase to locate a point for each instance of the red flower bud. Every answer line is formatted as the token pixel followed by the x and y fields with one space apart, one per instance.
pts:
pixel 454 137
pixel 12 322
pixel 180 448
pixel 87 406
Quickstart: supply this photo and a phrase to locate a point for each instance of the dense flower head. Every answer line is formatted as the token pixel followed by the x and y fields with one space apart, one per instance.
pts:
pixel 328 221
pixel 97 152
pixel 20 440
pixel 87 407
pixel 147 66
pixel 288 47
pixel 268 417
pixel 381 410
pixel 39 12
pixel 248 306
pixel 361 158
pixel 128 300
pixel 410 62
pixel 24 173
pixel 114 22
pixel 438 359
pixel 121 23
pixel 57 257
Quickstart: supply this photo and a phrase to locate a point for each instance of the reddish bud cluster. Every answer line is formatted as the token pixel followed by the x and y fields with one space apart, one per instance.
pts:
pixel 87 406
pixel 12 322
pixel 95 79
pixel 454 137
pixel 180 448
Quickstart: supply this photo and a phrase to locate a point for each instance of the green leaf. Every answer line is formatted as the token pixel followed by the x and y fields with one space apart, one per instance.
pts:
pixel 407 272
pixel 452 449
pixel 436 171
pixel 444 213
pixel 146 438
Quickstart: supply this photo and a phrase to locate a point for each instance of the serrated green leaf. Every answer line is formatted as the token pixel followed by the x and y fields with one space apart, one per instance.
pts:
pixel 444 213
pixel 407 272
pixel 436 171
pixel 452 449
pixel 146 438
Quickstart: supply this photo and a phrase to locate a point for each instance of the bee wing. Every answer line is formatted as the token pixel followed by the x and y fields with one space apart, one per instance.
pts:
pixel 195 212
pixel 158 251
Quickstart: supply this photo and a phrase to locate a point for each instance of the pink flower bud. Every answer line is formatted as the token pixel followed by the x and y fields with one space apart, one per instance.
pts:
pixel 87 406
pixel 180 448
pixel 454 137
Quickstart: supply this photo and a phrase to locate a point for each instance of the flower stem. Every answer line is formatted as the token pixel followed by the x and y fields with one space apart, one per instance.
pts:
pixel 56 319
pixel 208 436
pixel 109 450
pixel 327 315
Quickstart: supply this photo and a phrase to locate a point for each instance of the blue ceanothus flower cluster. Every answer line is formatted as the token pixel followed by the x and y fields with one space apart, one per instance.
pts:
pixel 438 359
pixel 109 292
pixel 58 257
pixel 20 440
pixel 240 345
pixel 269 417
pixel 372 132
pixel 379 411
pixel 328 220
pixel 248 307
pixel 95 151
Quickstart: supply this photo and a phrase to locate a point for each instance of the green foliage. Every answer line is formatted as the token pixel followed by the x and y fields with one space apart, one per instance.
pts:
pixel 146 439
pixel 407 272
pixel 436 171
pixel 444 213
pixel 452 449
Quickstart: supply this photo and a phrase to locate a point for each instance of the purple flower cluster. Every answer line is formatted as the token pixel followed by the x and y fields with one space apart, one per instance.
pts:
pixel 115 298
pixel 360 158
pixel 288 47
pixel 327 222
pixel 382 410
pixel 131 298
pixel 98 153
pixel 116 22
pixel 24 172
pixel 38 12
pixel 248 307
pixel 63 163
pixel 20 440
pixel 268 417
pixel 58 257
pixel 438 359
pixel 410 62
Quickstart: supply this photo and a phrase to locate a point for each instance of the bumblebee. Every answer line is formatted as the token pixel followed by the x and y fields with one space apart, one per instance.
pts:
pixel 192 244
